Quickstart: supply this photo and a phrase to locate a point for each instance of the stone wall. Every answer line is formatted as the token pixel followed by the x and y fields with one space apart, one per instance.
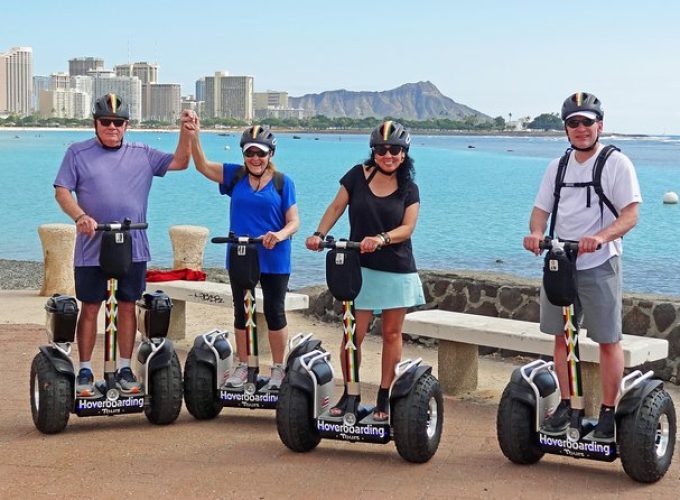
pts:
pixel 506 296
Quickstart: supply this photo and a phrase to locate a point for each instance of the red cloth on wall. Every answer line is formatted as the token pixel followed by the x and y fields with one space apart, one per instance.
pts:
pixel 155 275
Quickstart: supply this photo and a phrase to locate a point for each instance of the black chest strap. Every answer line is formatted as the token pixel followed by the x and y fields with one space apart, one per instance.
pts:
pixel 595 183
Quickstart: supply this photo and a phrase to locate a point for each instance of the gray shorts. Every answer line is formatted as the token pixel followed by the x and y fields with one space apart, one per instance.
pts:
pixel 600 292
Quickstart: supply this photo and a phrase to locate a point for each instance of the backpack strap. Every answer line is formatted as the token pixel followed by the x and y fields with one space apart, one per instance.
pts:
pixel 597 179
pixel 277 179
pixel 240 174
pixel 559 182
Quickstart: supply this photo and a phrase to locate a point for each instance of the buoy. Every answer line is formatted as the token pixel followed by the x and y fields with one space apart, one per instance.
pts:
pixel 670 198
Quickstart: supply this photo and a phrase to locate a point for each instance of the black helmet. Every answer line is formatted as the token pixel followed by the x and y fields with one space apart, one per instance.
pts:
pixel 112 106
pixel 258 135
pixel 392 134
pixel 582 101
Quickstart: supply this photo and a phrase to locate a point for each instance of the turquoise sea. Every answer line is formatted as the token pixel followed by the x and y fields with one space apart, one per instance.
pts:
pixel 476 196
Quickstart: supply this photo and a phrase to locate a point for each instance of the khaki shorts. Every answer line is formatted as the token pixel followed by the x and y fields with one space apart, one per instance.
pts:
pixel 600 292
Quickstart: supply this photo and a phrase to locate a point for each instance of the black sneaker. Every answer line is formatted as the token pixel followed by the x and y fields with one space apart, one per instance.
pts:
pixel 605 424
pixel 85 383
pixel 127 382
pixel 559 420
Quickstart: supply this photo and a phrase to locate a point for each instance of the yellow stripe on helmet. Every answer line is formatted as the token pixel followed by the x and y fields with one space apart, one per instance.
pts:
pixel 256 129
pixel 114 102
pixel 579 98
pixel 386 129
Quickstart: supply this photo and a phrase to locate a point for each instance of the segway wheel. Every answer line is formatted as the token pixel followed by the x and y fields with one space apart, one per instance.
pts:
pixel 51 396
pixel 646 438
pixel 294 420
pixel 417 420
pixel 200 393
pixel 516 431
pixel 165 389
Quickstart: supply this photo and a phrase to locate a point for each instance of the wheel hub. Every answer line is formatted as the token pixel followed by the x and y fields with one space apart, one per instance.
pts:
pixel 662 437
pixel 432 417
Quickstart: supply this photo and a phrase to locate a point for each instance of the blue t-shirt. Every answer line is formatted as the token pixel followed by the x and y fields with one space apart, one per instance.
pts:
pixel 254 213
pixel 110 185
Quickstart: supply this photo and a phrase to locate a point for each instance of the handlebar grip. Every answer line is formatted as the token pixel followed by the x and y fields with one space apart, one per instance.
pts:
pixel 349 245
pixel 235 239
pixel 546 244
pixel 117 226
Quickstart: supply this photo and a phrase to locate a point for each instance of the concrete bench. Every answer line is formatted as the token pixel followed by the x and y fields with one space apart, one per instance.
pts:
pixel 459 334
pixel 216 294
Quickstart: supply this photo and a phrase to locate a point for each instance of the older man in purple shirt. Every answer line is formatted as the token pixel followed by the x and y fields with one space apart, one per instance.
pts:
pixel 111 180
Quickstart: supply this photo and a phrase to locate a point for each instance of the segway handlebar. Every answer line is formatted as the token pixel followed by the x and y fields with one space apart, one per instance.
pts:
pixel 548 243
pixel 232 238
pixel 332 243
pixel 126 225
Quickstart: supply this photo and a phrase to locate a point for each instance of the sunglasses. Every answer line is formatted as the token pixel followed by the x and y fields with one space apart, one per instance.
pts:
pixel 575 122
pixel 117 122
pixel 254 152
pixel 383 150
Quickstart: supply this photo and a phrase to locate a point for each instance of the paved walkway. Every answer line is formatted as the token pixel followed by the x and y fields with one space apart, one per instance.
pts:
pixel 239 453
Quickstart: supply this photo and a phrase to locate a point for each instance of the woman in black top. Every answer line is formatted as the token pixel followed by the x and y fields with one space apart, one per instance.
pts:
pixel 383 208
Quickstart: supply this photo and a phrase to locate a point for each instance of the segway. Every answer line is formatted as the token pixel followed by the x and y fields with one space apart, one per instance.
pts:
pixel 645 422
pixel 53 374
pixel 303 414
pixel 210 359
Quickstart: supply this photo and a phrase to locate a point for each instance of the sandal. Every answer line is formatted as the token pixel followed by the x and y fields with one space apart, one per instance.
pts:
pixel 381 413
pixel 339 409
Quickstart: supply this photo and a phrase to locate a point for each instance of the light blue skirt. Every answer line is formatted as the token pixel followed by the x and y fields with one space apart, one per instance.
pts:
pixel 383 290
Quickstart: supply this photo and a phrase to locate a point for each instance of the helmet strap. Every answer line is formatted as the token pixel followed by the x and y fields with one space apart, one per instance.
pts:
pixel 589 148
pixel 111 148
pixel 257 175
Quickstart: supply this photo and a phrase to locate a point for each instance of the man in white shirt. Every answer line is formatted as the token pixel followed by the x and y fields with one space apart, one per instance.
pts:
pixel 583 216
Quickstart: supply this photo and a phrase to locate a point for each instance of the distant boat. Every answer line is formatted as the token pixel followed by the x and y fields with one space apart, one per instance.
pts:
pixel 297 137
pixel 471 146
pixel 223 134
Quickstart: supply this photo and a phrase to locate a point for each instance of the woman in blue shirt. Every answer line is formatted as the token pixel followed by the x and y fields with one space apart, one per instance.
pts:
pixel 262 204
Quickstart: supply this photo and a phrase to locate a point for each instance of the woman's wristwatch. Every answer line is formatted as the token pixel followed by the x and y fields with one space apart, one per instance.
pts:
pixel 319 234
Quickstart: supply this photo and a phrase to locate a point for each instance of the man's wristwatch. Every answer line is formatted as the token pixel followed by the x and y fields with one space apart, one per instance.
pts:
pixel 386 238
pixel 319 234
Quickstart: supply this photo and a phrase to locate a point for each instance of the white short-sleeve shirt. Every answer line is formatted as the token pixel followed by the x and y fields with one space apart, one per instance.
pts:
pixel 574 218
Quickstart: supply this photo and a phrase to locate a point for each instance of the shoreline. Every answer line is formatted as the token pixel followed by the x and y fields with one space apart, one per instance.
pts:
pixel 416 132
pixel 28 274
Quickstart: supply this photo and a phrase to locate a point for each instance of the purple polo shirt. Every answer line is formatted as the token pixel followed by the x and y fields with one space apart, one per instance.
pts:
pixel 111 185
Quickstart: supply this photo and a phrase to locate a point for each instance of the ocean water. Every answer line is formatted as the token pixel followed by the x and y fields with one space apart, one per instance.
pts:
pixel 476 197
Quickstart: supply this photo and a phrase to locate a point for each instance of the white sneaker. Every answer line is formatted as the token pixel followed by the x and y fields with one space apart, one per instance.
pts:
pixel 278 372
pixel 238 376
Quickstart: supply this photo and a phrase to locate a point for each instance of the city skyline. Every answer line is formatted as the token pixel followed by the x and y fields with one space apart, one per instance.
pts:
pixel 497 57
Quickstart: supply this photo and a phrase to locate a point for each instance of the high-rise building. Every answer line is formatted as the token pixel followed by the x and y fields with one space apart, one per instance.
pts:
pixel 3 83
pixel 229 96
pixel 274 104
pixel 59 81
pixel 16 80
pixel 200 89
pixel 40 83
pixel 162 101
pixel 64 103
pixel 146 72
pixel 270 99
pixel 81 65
